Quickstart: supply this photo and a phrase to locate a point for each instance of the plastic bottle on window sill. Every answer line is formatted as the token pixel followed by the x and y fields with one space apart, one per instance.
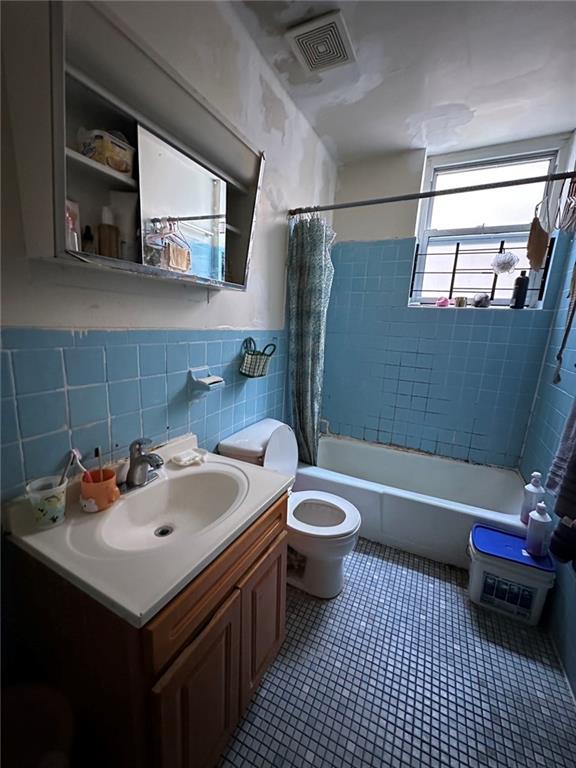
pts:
pixel 520 291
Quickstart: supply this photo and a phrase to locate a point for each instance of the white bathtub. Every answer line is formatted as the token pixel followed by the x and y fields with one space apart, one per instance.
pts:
pixel 416 502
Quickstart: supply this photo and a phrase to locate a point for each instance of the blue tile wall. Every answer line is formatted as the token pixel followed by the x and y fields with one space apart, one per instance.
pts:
pixel 454 382
pixel 553 402
pixel 104 388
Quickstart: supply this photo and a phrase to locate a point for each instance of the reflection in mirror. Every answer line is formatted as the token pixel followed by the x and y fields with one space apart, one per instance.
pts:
pixel 183 209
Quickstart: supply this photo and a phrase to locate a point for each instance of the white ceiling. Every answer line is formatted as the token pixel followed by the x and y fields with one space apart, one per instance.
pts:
pixel 444 76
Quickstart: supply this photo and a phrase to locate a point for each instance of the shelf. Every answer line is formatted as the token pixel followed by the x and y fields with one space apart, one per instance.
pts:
pixel 81 161
pixel 94 260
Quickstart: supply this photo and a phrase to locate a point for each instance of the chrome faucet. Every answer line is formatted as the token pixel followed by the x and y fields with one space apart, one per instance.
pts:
pixel 141 464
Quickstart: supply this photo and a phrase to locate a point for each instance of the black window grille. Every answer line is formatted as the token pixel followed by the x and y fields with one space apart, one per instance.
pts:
pixel 458 278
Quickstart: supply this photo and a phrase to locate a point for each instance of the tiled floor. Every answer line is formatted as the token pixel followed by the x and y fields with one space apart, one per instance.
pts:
pixel 400 670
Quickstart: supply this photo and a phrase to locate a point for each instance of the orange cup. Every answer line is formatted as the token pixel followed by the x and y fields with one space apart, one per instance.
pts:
pixel 101 493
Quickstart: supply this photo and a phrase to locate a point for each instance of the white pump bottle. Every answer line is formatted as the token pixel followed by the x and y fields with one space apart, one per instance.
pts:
pixel 533 493
pixel 540 526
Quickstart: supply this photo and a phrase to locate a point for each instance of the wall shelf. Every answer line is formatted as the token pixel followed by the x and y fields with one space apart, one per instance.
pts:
pixel 96 261
pixel 81 161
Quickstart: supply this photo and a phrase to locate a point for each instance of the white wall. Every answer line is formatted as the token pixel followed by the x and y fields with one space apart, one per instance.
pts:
pixel 207 45
pixel 392 174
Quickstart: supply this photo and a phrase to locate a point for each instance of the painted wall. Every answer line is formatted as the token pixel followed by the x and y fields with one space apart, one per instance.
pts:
pixel 392 174
pixel 551 408
pixel 208 46
pixel 64 389
pixel 454 382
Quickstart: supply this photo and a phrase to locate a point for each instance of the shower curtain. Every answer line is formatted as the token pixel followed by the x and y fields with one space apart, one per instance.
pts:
pixel 310 273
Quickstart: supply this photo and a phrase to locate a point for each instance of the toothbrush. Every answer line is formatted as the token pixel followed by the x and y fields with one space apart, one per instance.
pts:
pixel 78 456
pixel 98 455
pixel 71 458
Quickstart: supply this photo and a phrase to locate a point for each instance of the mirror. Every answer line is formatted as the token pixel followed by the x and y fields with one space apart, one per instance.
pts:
pixel 183 211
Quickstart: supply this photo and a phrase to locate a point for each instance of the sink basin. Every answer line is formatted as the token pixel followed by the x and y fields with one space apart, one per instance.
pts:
pixel 185 504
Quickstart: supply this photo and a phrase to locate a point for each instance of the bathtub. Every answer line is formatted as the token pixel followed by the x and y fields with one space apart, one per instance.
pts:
pixel 414 501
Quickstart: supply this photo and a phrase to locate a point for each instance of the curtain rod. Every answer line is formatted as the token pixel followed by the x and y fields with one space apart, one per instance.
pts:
pixel 432 193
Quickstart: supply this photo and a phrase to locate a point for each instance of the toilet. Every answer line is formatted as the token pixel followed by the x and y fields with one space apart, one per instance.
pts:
pixel 322 527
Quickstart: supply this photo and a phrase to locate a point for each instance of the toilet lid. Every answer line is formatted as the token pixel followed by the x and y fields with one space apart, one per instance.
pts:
pixel 282 451
pixel 250 442
pixel 322 515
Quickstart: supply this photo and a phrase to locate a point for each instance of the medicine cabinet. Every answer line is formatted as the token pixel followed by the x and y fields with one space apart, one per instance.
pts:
pixel 131 195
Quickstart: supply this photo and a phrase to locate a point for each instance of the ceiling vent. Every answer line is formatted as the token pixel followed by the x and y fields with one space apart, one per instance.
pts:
pixel 322 43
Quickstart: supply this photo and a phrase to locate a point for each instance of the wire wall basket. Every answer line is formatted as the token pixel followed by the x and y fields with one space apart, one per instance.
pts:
pixel 255 362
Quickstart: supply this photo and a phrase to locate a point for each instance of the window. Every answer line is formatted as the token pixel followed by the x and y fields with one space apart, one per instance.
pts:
pixel 461 234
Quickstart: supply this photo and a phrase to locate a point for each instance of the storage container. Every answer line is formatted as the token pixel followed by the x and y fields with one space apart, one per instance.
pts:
pixel 254 362
pixel 505 578
pixel 107 149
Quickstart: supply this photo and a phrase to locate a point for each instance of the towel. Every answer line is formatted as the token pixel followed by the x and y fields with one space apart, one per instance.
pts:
pixel 537 244
pixel 566 499
pixel 563 541
pixel 561 479
pixel 178 257
pixel 568 220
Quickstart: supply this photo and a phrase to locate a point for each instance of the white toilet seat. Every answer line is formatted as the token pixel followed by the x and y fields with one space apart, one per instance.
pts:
pixel 329 516
pixel 322 527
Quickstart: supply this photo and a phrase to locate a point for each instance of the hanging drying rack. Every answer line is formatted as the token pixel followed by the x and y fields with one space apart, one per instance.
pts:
pixel 189 220
pixel 433 193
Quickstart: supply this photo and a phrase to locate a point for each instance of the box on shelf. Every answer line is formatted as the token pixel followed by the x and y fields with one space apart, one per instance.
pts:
pixel 105 148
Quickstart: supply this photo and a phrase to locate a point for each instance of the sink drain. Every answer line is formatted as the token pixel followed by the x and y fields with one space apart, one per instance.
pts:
pixel 163 530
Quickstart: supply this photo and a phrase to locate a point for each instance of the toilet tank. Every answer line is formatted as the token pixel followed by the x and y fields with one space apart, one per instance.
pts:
pixel 250 443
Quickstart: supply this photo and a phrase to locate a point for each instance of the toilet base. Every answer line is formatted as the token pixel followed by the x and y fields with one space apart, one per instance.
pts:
pixel 321 578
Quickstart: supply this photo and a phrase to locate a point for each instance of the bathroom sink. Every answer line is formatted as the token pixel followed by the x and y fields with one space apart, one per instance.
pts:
pixel 139 553
pixel 185 504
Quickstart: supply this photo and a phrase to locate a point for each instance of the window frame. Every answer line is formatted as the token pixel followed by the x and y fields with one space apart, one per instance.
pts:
pixel 425 233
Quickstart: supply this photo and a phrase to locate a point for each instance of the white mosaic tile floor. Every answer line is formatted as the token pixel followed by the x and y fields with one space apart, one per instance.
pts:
pixel 401 670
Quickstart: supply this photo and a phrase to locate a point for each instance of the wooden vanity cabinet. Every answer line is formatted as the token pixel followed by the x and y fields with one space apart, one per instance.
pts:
pixel 196 703
pixel 168 695
pixel 263 595
pixel 199 700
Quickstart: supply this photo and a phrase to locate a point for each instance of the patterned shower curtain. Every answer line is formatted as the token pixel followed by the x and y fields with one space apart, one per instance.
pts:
pixel 310 273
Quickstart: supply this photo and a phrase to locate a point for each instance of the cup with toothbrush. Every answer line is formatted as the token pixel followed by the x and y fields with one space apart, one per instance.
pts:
pixel 47 495
pixel 98 488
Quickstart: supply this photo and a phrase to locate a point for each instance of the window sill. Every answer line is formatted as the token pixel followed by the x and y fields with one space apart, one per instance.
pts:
pixel 497 307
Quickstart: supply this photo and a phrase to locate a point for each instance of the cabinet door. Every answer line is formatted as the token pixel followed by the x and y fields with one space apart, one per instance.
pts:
pixel 196 702
pixel 263 615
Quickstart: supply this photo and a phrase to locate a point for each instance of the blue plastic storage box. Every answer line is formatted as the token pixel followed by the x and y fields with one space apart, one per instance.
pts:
pixel 504 577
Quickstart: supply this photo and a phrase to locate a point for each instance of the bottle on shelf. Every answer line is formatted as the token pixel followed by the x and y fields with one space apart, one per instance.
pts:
pixel 533 493
pixel 540 527
pixel 108 235
pixel 88 242
pixel 72 243
pixel 520 291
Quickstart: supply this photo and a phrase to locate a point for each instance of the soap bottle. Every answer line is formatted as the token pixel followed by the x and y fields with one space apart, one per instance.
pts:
pixel 520 291
pixel 533 493
pixel 540 527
